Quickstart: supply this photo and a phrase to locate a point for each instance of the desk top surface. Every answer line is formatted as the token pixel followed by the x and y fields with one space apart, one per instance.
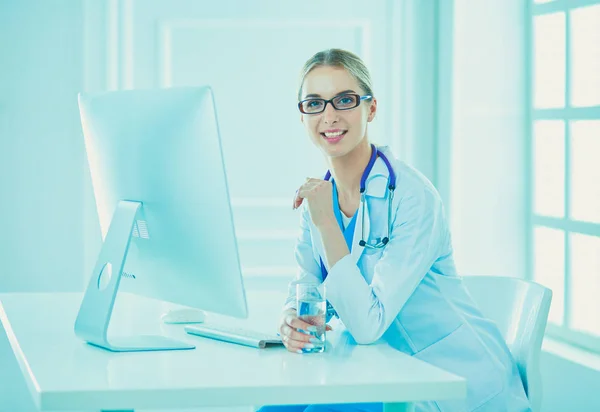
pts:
pixel 65 373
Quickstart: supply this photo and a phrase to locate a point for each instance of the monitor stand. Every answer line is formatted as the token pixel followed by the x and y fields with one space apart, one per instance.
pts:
pixel 99 298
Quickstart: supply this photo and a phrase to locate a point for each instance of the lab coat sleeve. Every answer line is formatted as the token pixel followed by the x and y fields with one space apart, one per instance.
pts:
pixel 418 231
pixel 308 268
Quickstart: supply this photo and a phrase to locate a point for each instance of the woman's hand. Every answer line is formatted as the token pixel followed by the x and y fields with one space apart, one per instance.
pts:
pixel 320 201
pixel 292 339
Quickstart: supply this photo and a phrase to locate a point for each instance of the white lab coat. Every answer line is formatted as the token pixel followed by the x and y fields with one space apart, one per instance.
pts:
pixel 409 295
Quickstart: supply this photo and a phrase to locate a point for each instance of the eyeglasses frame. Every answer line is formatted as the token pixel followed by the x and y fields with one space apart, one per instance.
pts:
pixel 358 102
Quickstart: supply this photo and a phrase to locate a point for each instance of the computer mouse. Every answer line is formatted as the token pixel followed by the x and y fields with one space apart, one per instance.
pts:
pixel 186 315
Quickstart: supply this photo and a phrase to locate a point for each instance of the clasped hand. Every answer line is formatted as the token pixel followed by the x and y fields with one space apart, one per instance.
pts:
pixel 317 193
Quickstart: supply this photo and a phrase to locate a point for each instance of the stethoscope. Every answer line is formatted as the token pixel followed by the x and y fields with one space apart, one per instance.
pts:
pixel 349 231
pixel 391 187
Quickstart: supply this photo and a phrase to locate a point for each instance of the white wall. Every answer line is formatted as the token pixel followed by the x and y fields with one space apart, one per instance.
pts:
pixel 487 158
pixel 487 201
pixel 41 148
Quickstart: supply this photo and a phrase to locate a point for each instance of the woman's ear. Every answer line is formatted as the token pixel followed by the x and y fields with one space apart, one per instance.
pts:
pixel 372 110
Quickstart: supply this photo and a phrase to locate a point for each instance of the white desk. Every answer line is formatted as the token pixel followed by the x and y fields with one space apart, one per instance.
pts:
pixel 64 373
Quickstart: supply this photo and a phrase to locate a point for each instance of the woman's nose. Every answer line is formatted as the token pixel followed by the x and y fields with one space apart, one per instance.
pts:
pixel 330 115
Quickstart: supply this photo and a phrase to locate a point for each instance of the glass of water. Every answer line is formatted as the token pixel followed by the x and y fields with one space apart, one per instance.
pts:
pixel 311 307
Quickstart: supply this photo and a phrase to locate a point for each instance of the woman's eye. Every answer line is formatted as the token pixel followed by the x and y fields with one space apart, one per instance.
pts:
pixel 314 105
pixel 345 100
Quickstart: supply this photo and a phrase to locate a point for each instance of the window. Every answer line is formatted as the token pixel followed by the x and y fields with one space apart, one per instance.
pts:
pixel 564 229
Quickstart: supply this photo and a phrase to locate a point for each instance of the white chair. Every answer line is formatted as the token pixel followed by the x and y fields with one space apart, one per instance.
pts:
pixel 520 309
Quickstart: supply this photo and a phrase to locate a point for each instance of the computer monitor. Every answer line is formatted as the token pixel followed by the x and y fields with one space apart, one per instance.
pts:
pixel 162 198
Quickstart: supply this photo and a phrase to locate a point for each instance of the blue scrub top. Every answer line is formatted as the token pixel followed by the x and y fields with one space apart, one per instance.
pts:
pixel 348 231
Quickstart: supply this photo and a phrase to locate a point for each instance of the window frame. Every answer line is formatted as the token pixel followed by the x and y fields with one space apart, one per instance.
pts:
pixel 566 114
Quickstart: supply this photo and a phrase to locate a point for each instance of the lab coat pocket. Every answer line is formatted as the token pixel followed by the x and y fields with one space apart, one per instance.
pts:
pixel 463 354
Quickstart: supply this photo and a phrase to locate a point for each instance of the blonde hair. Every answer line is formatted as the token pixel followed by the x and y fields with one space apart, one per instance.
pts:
pixel 342 59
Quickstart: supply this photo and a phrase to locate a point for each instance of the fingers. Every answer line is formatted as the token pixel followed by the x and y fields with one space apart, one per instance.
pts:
pixel 297 201
pixel 305 190
pixel 294 345
pixel 293 340
pixel 297 323
pixel 294 335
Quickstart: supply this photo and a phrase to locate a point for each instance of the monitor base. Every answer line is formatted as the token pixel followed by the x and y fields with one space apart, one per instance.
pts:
pixel 98 302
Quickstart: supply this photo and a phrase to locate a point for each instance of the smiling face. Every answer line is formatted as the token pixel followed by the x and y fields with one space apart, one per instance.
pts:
pixel 336 132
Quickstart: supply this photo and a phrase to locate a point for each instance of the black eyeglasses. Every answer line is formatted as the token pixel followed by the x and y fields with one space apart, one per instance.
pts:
pixel 342 102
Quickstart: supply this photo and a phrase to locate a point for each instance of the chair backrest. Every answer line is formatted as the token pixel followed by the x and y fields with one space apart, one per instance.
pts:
pixel 520 309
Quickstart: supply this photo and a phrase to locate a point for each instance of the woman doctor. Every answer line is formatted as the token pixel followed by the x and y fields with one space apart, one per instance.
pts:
pixel 374 232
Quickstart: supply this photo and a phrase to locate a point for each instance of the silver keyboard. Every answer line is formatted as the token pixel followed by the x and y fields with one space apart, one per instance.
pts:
pixel 241 336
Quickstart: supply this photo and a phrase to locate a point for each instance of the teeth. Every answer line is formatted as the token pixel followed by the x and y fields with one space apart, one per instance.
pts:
pixel 336 134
